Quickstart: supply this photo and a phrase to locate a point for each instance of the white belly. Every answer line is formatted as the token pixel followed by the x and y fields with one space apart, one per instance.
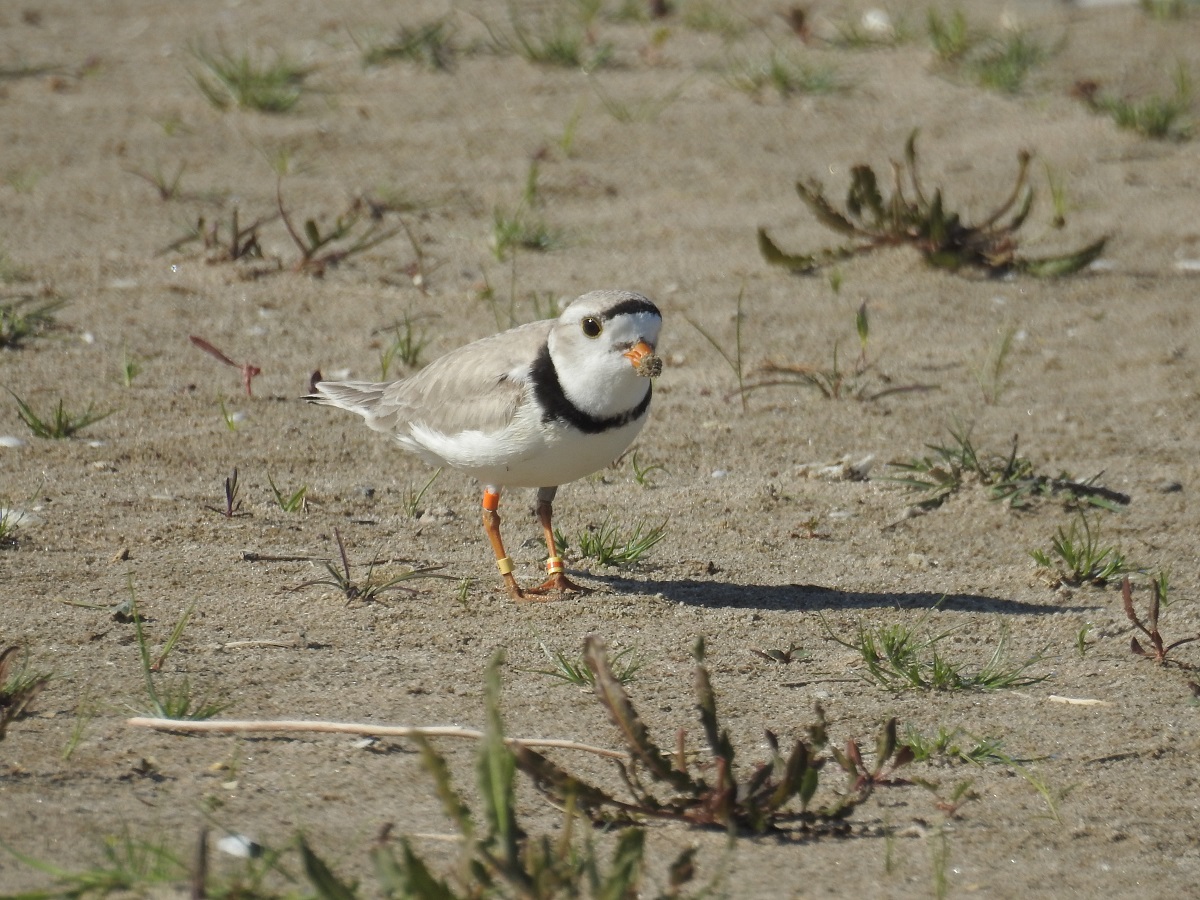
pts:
pixel 528 453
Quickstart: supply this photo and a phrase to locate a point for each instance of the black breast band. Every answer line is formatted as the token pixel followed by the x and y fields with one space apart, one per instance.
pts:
pixel 556 405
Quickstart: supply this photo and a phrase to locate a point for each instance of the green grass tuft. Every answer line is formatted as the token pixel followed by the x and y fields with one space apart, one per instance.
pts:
pixel 60 424
pixel 243 80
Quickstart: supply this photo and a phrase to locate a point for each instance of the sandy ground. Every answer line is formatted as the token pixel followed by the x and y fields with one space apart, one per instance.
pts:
pixel 654 172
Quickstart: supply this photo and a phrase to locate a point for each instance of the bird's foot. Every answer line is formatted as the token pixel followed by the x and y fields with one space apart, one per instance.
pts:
pixel 557 583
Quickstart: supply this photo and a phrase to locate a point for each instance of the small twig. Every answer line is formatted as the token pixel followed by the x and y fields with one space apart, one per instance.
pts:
pixel 251 556
pixel 242 645
pixel 454 731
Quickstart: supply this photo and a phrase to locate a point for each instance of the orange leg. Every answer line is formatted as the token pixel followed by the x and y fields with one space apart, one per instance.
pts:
pixel 557 582
pixel 491 525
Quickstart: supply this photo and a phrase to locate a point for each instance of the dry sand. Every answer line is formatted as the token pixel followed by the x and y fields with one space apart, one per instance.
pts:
pixel 655 172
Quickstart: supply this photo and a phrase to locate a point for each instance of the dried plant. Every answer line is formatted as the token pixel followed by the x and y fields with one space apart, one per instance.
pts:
pixel 348 236
pixel 1158 598
pixel 249 370
pixel 497 856
pixel 240 244
pixel 674 785
pixel 911 217
pixel 369 589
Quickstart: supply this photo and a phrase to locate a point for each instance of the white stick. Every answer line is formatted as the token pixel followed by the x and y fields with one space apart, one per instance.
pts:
pixel 454 731
pixel 1078 701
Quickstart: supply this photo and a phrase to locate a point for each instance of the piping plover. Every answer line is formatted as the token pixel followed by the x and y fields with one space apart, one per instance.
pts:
pixel 536 406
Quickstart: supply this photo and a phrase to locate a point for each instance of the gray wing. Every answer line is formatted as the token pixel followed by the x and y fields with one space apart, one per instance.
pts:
pixel 474 388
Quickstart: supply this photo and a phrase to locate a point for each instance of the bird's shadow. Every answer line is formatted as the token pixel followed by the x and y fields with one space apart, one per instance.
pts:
pixel 813 597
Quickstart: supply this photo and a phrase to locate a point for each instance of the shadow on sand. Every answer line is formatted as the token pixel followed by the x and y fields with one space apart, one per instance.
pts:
pixel 726 595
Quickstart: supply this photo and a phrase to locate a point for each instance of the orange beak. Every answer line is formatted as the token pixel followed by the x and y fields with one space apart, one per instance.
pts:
pixel 641 356
pixel 638 352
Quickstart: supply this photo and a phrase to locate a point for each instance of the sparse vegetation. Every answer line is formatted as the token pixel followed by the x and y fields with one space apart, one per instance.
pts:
pixel 734 359
pixel 1077 556
pixel 369 589
pixel 1158 117
pixel 166 186
pixel 25 318
pixel 1169 10
pixel 233 503
pixel 407 342
pixel 1081 639
pixel 60 424
pixel 784 73
pixel 948 745
pixel 952 38
pixel 898 657
pixel 9 520
pixel 911 217
pixel 836 382
pixel 873 28
pixel 131 368
pixel 227 78
pixel 1006 62
pixel 126 864
pixel 168 699
pixel 430 45
pixel 575 671
pixel 289 502
pixel 642 473
pixel 713 17
pixel 232 418
pixel 642 108
pixel 999 62
pixel 19 685
pixel 553 37
pixel 990 373
pixel 413 496
pixel 611 545
pixel 1010 478
pixel 520 229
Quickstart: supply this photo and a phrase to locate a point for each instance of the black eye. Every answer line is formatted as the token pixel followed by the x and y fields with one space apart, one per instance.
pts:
pixel 591 326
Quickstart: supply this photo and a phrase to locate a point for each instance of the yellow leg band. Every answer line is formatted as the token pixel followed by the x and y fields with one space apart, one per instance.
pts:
pixel 504 564
pixel 554 565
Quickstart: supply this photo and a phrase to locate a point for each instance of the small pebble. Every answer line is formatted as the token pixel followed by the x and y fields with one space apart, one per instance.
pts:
pixel 240 846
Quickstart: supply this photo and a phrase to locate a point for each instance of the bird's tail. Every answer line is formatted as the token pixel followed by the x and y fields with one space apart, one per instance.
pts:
pixel 360 397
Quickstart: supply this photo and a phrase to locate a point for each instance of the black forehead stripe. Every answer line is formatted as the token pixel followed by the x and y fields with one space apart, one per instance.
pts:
pixel 556 405
pixel 631 306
